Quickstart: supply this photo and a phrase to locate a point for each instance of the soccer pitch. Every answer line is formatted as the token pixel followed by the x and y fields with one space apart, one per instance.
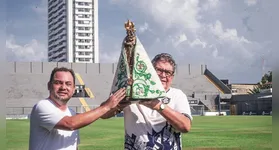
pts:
pixel 218 132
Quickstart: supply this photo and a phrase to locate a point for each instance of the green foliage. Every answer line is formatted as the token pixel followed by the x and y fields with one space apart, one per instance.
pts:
pixel 255 90
pixel 265 83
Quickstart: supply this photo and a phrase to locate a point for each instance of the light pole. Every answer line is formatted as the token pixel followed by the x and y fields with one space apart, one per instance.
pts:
pixel 219 104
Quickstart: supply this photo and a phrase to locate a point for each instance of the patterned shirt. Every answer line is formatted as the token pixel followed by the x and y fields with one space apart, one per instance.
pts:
pixel 147 129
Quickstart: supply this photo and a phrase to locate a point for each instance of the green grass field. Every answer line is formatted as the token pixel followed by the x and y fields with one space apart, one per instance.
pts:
pixel 220 132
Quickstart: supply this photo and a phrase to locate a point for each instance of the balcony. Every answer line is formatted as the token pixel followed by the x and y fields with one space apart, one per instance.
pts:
pixel 61 47
pixel 83 31
pixel 83 55
pixel 58 26
pixel 83 60
pixel 83 24
pixel 84 43
pixel 83 18
pixel 83 37
pixel 76 12
pixel 77 49
pixel 84 6
pixel 58 55
pixel 58 38
pixel 57 20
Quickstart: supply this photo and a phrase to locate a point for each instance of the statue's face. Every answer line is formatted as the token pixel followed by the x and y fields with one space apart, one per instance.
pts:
pixel 165 72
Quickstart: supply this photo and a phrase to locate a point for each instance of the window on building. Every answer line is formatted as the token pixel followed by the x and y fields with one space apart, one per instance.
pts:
pixel 81 53
pixel 80 59
pixel 87 4
pixel 86 10
pixel 81 47
pixel 234 90
pixel 81 22
pixel 80 91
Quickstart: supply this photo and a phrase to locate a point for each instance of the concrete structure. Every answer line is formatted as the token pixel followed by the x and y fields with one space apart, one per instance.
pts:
pixel 254 104
pixel 240 89
pixel 27 84
pixel 73 31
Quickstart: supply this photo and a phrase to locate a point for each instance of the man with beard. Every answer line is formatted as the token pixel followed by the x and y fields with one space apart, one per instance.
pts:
pixel 52 124
pixel 158 123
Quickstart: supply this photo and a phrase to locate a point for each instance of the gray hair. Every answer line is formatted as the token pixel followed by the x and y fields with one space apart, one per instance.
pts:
pixel 164 57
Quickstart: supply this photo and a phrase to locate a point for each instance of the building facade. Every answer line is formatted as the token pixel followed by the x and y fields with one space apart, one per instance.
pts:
pixel 239 89
pixel 73 31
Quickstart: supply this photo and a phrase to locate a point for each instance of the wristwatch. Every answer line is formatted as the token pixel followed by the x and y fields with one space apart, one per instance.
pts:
pixel 162 107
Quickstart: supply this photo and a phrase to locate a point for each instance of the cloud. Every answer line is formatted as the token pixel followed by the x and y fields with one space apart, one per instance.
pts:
pixel 32 51
pixel 215 53
pixel 198 42
pixel 250 2
pixel 167 13
pixel 143 28
pixel 179 13
pixel 230 42
pixel 210 4
pixel 178 39
pixel 229 35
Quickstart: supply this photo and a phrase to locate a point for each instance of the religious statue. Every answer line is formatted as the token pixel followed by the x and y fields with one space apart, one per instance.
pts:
pixel 129 45
pixel 135 70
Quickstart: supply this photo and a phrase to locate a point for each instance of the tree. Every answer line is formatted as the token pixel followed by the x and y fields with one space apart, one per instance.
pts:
pixel 255 90
pixel 265 83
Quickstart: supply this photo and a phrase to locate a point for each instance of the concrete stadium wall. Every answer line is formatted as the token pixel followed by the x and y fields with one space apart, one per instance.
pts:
pixel 252 103
pixel 28 81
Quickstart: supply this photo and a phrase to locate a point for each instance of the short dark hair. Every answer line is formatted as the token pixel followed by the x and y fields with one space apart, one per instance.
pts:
pixel 57 69
pixel 164 57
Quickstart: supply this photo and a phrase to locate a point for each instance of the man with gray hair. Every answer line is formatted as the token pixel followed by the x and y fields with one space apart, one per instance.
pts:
pixel 157 124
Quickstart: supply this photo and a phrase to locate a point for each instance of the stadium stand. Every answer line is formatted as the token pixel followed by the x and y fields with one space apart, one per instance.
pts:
pixel 28 84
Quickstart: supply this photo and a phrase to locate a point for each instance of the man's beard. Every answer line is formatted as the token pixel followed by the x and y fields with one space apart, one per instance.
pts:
pixel 59 98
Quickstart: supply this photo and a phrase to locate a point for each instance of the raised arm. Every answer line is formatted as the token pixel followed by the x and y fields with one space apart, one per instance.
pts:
pixel 114 111
pixel 84 119
pixel 180 121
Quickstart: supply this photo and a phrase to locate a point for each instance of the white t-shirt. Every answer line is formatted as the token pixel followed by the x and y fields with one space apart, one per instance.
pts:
pixel 43 136
pixel 147 129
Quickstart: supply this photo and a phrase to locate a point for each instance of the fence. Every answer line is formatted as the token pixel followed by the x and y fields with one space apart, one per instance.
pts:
pixel 24 112
pixel 27 110
pixel 197 110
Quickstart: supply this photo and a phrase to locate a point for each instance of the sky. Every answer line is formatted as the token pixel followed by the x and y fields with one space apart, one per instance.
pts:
pixel 235 39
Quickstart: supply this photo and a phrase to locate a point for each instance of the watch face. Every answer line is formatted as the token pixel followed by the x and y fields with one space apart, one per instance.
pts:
pixel 162 106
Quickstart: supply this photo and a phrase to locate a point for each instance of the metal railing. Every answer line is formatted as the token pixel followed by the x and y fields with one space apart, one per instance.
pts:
pixel 15 112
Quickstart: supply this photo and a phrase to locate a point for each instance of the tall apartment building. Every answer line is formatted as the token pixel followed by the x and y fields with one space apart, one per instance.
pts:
pixel 73 31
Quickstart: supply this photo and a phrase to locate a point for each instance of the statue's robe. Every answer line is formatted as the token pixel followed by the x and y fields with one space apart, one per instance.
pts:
pixel 146 83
